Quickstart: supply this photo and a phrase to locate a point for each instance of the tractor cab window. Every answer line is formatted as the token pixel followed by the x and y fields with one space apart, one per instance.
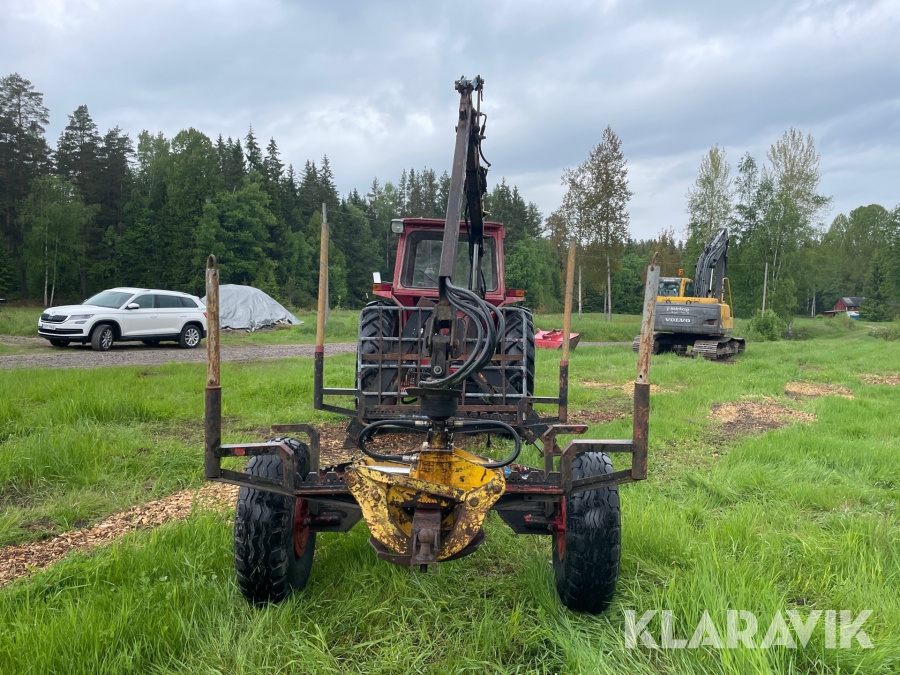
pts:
pixel 422 262
pixel 670 288
pixel 689 289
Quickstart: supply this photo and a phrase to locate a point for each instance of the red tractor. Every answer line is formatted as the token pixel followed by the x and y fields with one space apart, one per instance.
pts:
pixel 391 355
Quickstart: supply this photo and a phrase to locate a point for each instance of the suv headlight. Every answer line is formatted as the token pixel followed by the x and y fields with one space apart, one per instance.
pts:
pixel 80 316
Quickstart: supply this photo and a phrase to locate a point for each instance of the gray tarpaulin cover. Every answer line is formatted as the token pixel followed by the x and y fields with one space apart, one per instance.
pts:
pixel 248 308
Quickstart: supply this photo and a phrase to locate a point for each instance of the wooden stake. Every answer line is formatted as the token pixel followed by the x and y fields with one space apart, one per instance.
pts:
pixel 567 309
pixel 322 318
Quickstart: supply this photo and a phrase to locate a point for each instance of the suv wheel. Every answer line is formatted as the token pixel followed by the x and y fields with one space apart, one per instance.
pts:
pixel 102 338
pixel 190 337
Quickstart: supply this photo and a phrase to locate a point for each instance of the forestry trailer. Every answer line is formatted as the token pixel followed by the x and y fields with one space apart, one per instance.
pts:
pixel 443 354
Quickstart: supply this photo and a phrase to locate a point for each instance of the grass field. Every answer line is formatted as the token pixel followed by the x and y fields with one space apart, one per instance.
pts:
pixel 803 517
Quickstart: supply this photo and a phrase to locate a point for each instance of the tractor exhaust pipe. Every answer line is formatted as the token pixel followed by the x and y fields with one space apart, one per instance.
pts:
pixel 567 328
pixel 641 432
pixel 213 420
pixel 319 356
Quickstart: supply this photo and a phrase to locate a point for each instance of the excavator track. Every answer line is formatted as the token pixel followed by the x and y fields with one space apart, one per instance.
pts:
pixel 712 350
pixel 717 350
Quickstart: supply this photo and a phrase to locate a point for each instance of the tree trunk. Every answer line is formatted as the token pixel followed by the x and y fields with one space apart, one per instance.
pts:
pixel 609 288
pixel 46 271
pixel 55 265
pixel 579 291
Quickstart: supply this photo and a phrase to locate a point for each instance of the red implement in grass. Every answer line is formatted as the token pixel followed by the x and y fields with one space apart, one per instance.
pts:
pixel 553 339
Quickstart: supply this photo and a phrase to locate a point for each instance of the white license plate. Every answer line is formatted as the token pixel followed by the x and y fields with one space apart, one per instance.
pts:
pixel 48 326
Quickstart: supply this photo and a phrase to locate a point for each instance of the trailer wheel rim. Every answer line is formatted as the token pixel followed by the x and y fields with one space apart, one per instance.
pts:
pixel 302 520
pixel 561 529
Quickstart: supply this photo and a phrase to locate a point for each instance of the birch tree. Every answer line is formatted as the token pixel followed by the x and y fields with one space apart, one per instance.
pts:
pixel 594 210
pixel 54 214
pixel 709 202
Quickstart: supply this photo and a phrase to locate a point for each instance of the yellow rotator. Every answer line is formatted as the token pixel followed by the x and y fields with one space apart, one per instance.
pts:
pixel 429 510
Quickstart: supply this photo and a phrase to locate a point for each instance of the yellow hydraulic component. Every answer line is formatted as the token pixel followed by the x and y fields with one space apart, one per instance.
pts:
pixel 453 480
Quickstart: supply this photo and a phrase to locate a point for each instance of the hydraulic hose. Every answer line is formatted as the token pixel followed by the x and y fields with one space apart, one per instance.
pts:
pixel 480 427
pixel 406 425
pixel 482 313
pixel 466 428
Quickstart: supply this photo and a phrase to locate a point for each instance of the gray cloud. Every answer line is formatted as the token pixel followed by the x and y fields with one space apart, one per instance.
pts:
pixel 371 84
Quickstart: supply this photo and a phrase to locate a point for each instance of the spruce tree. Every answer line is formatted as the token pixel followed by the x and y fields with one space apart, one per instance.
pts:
pixel 273 169
pixel 254 154
pixel 78 160
pixel 875 304
pixel 6 270
pixel 24 155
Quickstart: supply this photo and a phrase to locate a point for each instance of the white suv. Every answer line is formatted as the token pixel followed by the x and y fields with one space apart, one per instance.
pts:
pixel 121 314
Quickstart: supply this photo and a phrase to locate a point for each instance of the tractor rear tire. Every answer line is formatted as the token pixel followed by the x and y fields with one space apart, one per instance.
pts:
pixel 374 323
pixel 586 556
pixel 273 545
pixel 523 334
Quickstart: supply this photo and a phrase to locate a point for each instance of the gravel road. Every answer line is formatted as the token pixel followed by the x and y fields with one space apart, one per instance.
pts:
pixel 128 354
pixel 136 354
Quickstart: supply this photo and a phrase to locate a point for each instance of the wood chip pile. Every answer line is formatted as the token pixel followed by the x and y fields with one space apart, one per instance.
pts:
pixel 890 380
pixel 812 390
pixel 747 417
pixel 17 561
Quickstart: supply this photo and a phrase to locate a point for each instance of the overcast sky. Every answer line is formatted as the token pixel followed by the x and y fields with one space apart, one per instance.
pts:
pixel 371 84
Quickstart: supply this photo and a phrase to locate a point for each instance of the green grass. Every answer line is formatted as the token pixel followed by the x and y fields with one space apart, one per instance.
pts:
pixel 623 327
pixel 803 517
pixel 342 327
pixel 19 320
pixel 78 444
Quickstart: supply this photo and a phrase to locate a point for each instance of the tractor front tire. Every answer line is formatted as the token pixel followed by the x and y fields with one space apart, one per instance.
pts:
pixel 273 544
pixel 519 337
pixel 374 323
pixel 586 555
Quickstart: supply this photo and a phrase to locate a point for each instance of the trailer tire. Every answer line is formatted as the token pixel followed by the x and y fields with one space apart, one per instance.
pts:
pixel 522 332
pixel 273 545
pixel 586 555
pixel 373 323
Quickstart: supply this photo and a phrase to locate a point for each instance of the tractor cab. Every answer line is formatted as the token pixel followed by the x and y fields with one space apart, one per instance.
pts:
pixel 415 281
